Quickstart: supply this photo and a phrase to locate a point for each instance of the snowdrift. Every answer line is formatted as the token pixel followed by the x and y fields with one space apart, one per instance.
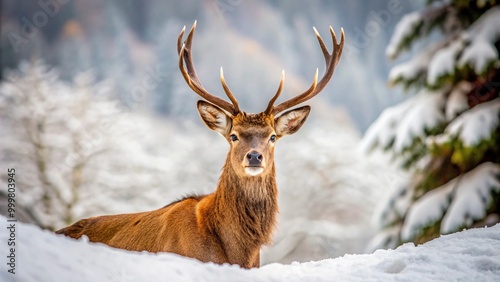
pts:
pixel 472 255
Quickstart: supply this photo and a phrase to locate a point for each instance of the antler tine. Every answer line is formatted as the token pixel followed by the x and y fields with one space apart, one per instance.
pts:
pixel 322 45
pixel 191 78
pixel 179 40
pixel 228 92
pixel 270 106
pixel 331 61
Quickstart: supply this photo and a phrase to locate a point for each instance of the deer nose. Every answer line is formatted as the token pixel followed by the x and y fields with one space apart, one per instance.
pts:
pixel 254 158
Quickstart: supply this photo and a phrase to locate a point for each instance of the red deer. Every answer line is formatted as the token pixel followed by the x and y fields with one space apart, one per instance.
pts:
pixel 233 223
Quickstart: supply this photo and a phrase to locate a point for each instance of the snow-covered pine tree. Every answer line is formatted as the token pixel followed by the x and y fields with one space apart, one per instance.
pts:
pixel 446 134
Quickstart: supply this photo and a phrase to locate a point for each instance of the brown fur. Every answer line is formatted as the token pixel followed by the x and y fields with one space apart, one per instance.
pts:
pixel 227 226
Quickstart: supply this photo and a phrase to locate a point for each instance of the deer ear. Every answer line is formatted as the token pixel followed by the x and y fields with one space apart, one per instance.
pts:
pixel 214 117
pixel 291 121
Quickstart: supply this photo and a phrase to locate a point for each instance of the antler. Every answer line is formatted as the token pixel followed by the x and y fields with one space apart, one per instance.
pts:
pixel 331 61
pixel 185 57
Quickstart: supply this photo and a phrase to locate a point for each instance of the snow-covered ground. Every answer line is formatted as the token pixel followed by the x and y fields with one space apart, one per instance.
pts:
pixel 472 255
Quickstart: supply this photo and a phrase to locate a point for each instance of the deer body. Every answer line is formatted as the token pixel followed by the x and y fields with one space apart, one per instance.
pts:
pixel 233 223
pixel 227 226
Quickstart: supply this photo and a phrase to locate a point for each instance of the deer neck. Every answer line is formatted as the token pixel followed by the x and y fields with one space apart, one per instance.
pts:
pixel 246 207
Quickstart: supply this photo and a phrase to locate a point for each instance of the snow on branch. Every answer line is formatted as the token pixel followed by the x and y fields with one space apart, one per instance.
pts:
pixel 404 29
pixel 427 210
pixel 413 69
pixel 478 55
pixel 482 36
pixel 473 48
pixel 397 126
pixel 413 25
pixel 443 62
pixel 472 126
pixel 396 204
pixel 472 197
pixel 476 124
pixel 461 200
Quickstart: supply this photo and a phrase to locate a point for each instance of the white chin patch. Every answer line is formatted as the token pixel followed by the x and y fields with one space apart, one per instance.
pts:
pixel 253 171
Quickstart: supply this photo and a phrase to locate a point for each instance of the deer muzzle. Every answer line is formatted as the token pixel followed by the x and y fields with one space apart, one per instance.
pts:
pixel 254 164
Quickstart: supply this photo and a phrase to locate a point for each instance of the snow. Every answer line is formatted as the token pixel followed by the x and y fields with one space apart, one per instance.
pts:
pixel 389 212
pixel 474 125
pixel 425 113
pixel 486 27
pixel 482 34
pixel 457 101
pixel 404 122
pixel 474 47
pixel 411 69
pixel 471 127
pixel 396 204
pixel 472 255
pixel 426 210
pixel 479 54
pixel 443 62
pixel 462 200
pixel 403 29
pixel 473 196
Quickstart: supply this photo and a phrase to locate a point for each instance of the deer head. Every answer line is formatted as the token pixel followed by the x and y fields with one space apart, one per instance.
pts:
pixel 252 136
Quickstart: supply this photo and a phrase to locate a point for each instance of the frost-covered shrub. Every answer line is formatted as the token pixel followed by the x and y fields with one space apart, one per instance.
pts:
pixel 76 150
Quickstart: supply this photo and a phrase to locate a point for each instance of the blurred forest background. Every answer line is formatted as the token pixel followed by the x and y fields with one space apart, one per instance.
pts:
pixel 96 118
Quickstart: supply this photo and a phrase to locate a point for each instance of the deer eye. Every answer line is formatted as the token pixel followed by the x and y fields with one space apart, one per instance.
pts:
pixel 233 137
pixel 273 138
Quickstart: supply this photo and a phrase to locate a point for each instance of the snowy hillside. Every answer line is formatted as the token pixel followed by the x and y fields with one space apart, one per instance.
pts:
pixel 472 255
